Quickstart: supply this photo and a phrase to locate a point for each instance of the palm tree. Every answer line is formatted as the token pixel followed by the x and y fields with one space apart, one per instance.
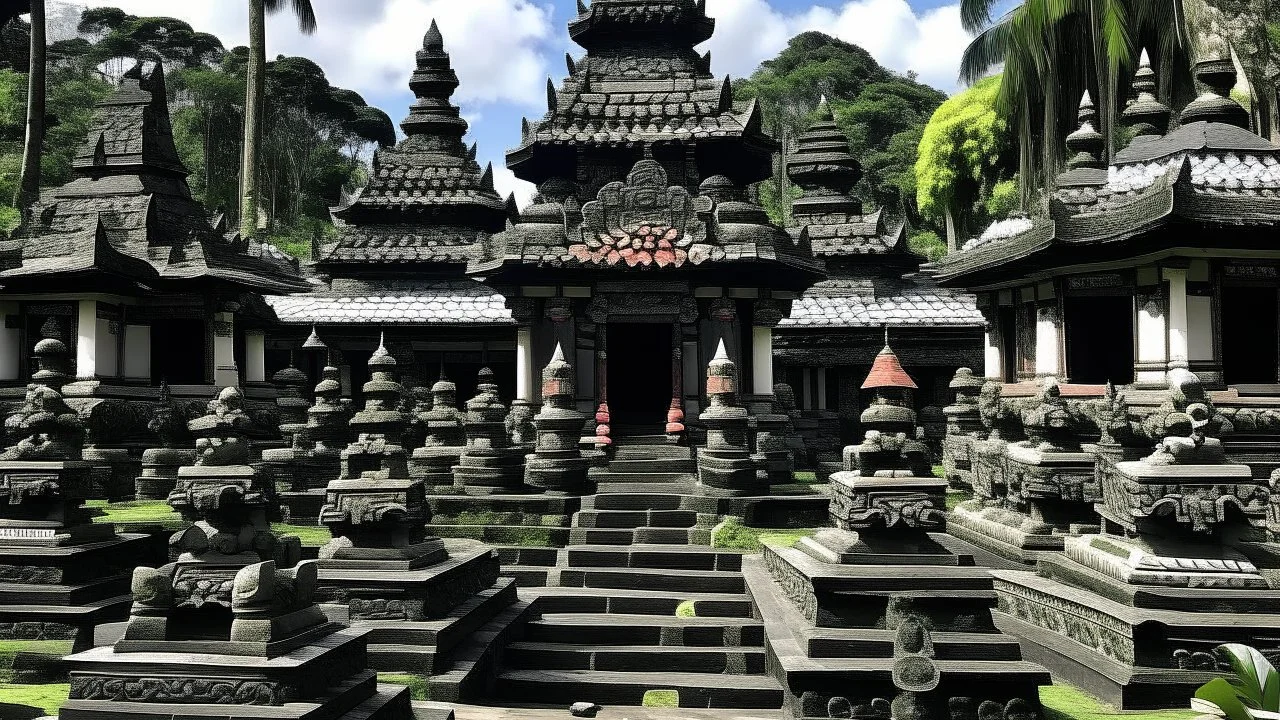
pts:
pixel 1052 51
pixel 255 98
pixel 29 184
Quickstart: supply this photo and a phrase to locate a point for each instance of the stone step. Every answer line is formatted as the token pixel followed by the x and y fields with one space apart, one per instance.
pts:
pixel 652 464
pixel 859 642
pixel 71 595
pixel 697 690
pixel 526 577
pixel 412 646
pixel 676 489
pixel 466 673
pixel 634 500
pixel 527 556
pixel 622 629
pixel 665 557
pixel 633 658
pixel 640 535
pixel 716 581
pixel 669 477
pixel 636 602
pixel 504 534
pixel 635 518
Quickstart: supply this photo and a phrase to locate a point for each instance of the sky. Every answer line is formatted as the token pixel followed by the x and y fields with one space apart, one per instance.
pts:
pixel 504 50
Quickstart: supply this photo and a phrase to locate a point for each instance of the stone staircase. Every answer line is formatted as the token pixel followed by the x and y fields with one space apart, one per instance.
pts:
pixel 637 601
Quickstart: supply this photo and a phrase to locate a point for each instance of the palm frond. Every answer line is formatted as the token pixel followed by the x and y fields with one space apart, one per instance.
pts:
pixel 975 15
pixel 987 50
pixel 301 9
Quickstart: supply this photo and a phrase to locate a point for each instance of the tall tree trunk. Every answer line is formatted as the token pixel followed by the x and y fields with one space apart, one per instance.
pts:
pixel 1106 94
pixel 953 241
pixel 29 186
pixel 255 96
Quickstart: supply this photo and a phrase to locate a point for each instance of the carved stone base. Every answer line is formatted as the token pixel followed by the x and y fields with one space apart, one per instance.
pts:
pixel 727 473
pixel 1139 561
pixel 113 472
pixel 565 475
pixel 386 591
pixel 433 465
pixel 1004 532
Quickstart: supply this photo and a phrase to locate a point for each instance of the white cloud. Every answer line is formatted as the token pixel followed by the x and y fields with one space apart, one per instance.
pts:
pixel 506 182
pixel 368 46
pixel 929 43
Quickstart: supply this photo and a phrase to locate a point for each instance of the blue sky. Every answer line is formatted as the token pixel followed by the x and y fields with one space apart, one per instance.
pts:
pixel 503 50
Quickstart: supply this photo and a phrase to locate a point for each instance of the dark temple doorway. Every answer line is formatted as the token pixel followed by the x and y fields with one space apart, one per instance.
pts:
pixel 1249 335
pixel 1099 333
pixel 639 376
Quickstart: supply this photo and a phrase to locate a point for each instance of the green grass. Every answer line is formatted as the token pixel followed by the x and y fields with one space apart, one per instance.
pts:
pixel 661 699
pixel 137 513
pixel 310 535
pixel 939 472
pixel 686 609
pixel 418 689
pixel 1065 702
pixel 733 535
pixel 805 476
pixel 11 649
pixel 955 497
pixel 46 697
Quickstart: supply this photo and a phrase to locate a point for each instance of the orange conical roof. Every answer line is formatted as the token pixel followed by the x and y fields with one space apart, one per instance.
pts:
pixel 886 371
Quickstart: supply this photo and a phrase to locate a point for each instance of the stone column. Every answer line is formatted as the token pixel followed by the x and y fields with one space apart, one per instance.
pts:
pixel 993 367
pixel 255 356
pixel 603 429
pixel 225 372
pixel 1153 334
pixel 1177 278
pixel 762 360
pixel 1048 340
pixel 821 400
pixel 524 364
pixel 87 340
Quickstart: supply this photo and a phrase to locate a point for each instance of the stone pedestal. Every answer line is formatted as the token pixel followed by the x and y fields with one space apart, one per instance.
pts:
pixel 489 464
pixel 725 466
pixel 557 465
pixel 160 472
pixel 773 430
pixel 113 472
pixel 964 425
pixel 443 439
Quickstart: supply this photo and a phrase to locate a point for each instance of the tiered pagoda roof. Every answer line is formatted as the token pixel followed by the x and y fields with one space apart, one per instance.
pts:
pixel 127 220
pixel 865 258
pixel 1157 195
pixel 427 201
pixel 407 238
pixel 642 83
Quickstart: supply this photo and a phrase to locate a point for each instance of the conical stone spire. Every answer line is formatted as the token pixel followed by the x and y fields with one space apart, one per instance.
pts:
pixel 1086 167
pixel 557 464
pixel 823 166
pixel 1216 105
pixel 433 83
pixel 725 466
pixel 1146 116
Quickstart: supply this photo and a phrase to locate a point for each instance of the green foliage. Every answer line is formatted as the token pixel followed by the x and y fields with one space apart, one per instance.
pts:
pixel 805 476
pixel 955 497
pixel 928 245
pixel 1253 684
pixel 960 151
pixel 419 689
pixel 70 102
pixel 45 697
pixel 881 112
pixel 687 609
pixel 661 699
pixel 1003 200
pixel 1065 702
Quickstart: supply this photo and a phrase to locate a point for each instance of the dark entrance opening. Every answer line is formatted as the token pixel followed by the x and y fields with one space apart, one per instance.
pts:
pixel 639 375
pixel 1249 336
pixel 1007 317
pixel 1099 333
pixel 178 352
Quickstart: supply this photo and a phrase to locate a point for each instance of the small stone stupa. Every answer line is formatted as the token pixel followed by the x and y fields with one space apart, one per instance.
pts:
pixel 964 425
pixel 160 464
pixel 312 459
pixel 60 573
pixel 557 465
pixel 381 570
pixel 875 595
pixel 443 438
pixel 490 464
pixel 230 628
pixel 725 466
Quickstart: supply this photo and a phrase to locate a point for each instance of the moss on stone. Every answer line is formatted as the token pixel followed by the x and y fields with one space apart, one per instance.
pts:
pixel 48 698
pixel 418 686
pixel 1066 702
pixel 955 497
pixel 661 699
pixel 731 534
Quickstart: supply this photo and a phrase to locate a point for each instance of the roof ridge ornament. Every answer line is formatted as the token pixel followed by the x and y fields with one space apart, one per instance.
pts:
pixel 1146 115
pixel 1216 104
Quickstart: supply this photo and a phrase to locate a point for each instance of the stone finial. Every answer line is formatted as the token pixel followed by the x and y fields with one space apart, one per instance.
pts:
pixel 52 356
pixel 1216 105
pixel 313 341
pixel 433 41
pixel 1146 115
pixel 823 166
pixel 433 84
pixel 1086 144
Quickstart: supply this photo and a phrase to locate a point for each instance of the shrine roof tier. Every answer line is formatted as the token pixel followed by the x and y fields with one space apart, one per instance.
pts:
pixel 642 85
pixel 1209 188
pixel 427 201
pixel 126 222
pixel 644 224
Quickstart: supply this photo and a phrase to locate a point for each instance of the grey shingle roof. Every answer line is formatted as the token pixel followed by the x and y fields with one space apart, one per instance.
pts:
pixel 455 302
pixel 861 303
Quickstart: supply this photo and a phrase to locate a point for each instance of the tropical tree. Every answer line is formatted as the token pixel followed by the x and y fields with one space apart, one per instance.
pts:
pixel 29 182
pixel 255 98
pixel 1051 51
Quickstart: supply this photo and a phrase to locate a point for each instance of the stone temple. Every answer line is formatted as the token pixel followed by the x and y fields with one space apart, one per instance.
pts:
pixel 534 439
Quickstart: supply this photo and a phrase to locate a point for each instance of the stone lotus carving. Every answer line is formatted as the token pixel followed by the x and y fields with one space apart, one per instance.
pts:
pixel 644 221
